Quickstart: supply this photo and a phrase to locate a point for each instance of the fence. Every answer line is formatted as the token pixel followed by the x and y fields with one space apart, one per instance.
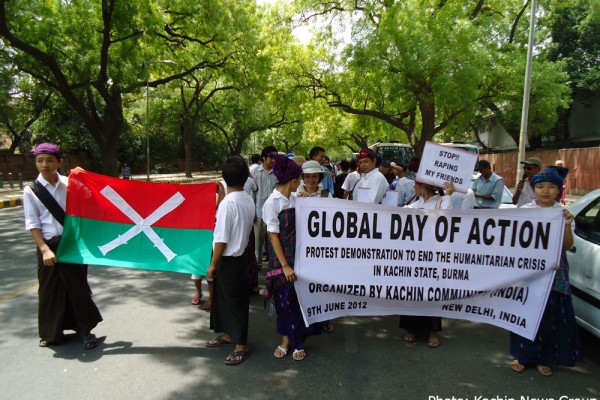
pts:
pixel 583 164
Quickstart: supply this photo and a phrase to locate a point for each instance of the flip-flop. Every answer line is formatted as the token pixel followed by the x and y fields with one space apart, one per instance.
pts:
pixel 207 306
pixel 282 352
pixel 218 342
pixel 328 328
pixel 243 354
pixel 196 300
pixel 516 366
pixel 409 338
pixel 299 355
pixel 433 343
pixel 544 370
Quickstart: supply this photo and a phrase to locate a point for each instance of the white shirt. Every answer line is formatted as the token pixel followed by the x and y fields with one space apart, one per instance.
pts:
pixel 406 191
pixel 253 169
pixel 351 180
pixel 463 201
pixel 249 187
pixel 527 194
pixel 235 217
pixel 376 183
pixel 275 204
pixel 265 181
pixel 37 215
pixel 435 202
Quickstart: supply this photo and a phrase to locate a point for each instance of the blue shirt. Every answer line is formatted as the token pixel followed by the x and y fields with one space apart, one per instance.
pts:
pixel 327 181
pixel 492 186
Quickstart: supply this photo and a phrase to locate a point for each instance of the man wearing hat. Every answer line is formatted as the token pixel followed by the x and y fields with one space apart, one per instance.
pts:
pixel 372 185
pixel 65 300
pixel 524 193
pixel 487 187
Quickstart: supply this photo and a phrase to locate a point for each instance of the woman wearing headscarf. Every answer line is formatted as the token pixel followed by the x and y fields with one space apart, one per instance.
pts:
pixel 279 216
pixel 557 339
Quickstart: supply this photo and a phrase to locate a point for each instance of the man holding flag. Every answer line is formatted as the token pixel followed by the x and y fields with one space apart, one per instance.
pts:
pixel 65 300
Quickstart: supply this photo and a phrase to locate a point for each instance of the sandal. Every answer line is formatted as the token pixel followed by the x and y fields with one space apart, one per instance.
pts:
pixel 207 306
pixel 516 366
pixel 196 300
pixel 299 355
pixel 544 370
pixel 90 341
pixel 409 338
pixel 218 342
pixel 328 328
pixel 280 352
pixel 230 360
pixel 44 343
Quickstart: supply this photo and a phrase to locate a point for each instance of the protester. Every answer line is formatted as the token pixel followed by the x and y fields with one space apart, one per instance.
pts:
pixel 340 179
pixel 312 176
pixel 524 193
pixel 126 171
pixel 386 170
pixel 398 172
pixel 197 299
pixel 318 154
pixel 372 183
pixel 406 185
pixel 557 339
pixel 252 265
pixel 299 160
pixel 65 297
pixel 256 161
pixel 265 181
pixel 416 325
pixel 279 216
pixel 488 187
pixel 351 180
pixel 563 192
pixel 228 266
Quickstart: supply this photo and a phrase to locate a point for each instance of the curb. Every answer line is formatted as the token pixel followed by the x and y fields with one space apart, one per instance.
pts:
pixel 11 202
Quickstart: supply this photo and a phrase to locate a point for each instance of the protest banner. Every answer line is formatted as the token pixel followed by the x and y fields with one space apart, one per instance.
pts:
pixel 364 259
pixel 441 164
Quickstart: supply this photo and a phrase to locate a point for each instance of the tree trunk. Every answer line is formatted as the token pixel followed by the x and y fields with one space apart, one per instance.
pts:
pixel 188 132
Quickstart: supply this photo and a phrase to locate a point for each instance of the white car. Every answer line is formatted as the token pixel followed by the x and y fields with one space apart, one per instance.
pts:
pixel 584 261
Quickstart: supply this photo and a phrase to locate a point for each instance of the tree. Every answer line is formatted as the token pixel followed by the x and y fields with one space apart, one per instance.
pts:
pixel 419 66
pixel 21 105
pixel 575 31
pixel 91 53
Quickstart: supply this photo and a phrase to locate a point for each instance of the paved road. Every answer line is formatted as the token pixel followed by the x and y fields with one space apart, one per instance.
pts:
pixel 153 348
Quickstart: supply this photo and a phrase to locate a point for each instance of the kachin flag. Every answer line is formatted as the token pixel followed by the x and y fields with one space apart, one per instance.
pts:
pixel 135 224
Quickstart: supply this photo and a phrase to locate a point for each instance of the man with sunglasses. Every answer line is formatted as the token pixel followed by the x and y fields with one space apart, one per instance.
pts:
pixel 524 193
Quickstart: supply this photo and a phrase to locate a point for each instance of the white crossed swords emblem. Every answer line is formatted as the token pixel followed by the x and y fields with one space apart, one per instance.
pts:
pixel 141 224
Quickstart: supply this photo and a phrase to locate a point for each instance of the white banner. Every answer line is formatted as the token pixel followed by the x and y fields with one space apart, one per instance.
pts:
pixel 441 164
pixel 488 266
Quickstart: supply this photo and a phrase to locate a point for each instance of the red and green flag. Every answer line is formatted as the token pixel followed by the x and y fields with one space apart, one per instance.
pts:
pixel 135 224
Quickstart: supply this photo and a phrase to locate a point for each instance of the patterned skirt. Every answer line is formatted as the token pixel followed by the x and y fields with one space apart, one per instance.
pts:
pixel 287 309
pixel 557 340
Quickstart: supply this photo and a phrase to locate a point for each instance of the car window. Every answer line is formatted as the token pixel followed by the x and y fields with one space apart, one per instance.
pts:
pixel 587 222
